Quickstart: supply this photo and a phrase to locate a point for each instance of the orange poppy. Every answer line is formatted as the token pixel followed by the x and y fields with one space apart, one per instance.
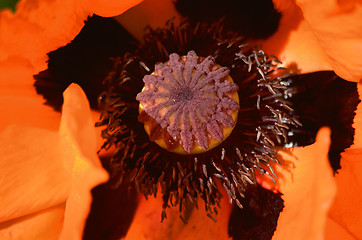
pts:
pixel 47 173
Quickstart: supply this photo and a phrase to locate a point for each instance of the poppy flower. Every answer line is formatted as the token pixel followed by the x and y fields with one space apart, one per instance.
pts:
pixel 319 191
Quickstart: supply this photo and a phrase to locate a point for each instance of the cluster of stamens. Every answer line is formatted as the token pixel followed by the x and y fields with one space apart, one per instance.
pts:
pixel 206 125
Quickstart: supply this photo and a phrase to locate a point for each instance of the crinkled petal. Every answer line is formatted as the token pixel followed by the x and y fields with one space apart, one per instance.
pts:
pixel 79 145
pixel 32 173
pixel 294 43
pixel 306 181
pixel 38 26
pixel 45 224
pixel 337 26
pixel 323 36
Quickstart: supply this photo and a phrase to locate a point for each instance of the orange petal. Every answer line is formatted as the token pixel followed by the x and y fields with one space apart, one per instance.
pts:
pixel 79 147
pixel 109 8
pixel 147 222
pixel 335 231
pixel 308 190
pixel 45 224
pixel 346 209
pixel 19 103
pixel 344 215
pixel 294 42
pixel 337 26
pixel 32 175
pixel 37 175
pixel 154 13
pixel 38 26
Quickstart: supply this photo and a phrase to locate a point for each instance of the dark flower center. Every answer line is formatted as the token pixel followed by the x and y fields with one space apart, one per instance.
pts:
pixel 194 99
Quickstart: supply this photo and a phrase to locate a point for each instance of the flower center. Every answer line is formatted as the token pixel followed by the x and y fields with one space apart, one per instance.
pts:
pixel 182 95
pixel 189 104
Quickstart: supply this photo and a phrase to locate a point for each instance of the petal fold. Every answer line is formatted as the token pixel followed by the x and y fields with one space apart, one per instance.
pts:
pixel 32 173
pixel 337 27
pixel 294 43
pixel 308 190
pixel 346 209
pixel 79 148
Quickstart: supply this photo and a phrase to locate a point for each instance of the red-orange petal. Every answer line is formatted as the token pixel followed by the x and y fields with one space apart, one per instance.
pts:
pixel 345 212
pixel 294 42
pixel 328 36
pixel 337 26
pixel 306 181
pixel 335 231
pixel 346 209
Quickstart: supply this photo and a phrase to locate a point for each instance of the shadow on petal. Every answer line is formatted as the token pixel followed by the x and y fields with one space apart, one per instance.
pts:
pixel 308 190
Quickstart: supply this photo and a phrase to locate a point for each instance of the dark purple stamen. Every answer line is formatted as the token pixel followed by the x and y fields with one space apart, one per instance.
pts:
pixel 192 99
